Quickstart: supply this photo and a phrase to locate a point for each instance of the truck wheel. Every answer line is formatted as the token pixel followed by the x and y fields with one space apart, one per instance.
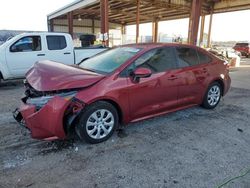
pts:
pixel 97 123
pixel 1 77
pixel 212 96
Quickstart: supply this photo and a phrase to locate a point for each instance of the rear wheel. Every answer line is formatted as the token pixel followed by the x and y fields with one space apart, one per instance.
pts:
pixel 212 96
pixel 98 122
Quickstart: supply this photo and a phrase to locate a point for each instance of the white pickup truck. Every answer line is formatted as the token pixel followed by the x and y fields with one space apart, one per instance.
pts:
pixel 18 54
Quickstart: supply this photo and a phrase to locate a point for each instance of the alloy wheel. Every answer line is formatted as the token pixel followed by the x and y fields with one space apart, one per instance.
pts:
pixel 214 94
pixel 100 123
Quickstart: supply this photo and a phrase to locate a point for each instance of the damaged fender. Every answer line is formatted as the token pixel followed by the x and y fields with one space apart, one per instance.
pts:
pixel 47 123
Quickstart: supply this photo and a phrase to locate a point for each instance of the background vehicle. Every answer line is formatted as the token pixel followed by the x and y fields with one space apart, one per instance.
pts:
pixel 122 85
pixel 18 54
pixel 232 56
pixel 243 48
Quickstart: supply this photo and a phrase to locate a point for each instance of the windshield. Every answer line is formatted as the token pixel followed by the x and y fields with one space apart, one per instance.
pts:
pixel 110 60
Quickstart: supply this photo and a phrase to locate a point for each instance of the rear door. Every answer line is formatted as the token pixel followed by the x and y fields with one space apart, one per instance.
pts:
pixel 60 49
pixel 21 55
pixel 159 92
pixel 192 76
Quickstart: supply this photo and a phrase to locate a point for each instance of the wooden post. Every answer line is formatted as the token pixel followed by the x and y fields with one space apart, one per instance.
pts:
pixel 202 29
pixel 155 30
pixel 93 26
pixel 210 29
pixel 137 21
pixel 123 32
pixel 189 29
pixel 194 21
pixel 104 21
pixel 70 23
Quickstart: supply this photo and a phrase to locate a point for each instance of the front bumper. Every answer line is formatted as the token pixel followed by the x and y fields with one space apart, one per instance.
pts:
pixel 46 123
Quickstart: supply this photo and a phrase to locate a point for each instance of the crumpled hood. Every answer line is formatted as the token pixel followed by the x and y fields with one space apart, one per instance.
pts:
pixel 52 76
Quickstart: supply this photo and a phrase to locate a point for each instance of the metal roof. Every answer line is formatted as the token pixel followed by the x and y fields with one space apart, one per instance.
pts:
pixel 124 11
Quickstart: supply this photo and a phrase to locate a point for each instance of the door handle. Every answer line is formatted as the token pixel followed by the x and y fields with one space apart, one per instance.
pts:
pixel 172 77
pixel 66 53
pixel 40 54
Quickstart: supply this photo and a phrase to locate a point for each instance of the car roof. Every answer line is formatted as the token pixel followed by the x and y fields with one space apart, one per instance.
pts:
pixel 41 33
pixel 156 45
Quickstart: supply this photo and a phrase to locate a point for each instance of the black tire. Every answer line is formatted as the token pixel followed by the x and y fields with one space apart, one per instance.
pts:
pixel 208 102
pixel 87 118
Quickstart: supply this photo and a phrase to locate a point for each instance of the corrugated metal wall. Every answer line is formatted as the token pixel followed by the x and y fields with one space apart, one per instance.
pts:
pixel 83 26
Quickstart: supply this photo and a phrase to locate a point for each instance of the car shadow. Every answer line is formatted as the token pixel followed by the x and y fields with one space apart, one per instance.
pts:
pixel 6 85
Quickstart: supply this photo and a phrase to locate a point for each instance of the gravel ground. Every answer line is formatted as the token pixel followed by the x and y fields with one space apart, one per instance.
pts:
pixel 190 148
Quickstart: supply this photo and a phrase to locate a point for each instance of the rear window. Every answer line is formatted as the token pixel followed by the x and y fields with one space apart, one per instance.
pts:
pixel 56 42
pixel 187 57
pixel 203 57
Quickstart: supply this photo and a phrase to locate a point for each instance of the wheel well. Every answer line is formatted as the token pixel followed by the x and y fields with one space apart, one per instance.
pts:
pixel 69 122
pixel 221 84
pixel 1 76
pixel 118 108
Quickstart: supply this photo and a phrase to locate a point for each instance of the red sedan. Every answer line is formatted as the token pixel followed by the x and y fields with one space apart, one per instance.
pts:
pixel 121 85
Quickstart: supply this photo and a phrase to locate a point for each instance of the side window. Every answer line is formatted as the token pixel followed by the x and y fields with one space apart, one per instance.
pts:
pixel 27 44
pixel 204 58
pixel 56 42
pixel 187 57
pixel 158 60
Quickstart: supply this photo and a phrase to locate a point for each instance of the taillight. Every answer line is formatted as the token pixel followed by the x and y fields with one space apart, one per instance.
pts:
pixel 226 63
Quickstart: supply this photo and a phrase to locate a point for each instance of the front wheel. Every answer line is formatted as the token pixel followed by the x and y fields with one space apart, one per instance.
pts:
pixel 98 122
pixel 212 96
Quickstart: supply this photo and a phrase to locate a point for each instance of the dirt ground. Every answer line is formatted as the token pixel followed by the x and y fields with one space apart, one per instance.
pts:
pixel 190 148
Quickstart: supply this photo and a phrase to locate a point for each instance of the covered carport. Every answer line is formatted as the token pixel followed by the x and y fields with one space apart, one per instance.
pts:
pixel 105 16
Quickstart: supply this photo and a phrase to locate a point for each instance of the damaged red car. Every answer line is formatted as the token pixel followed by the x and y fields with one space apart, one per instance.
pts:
pixel 121 85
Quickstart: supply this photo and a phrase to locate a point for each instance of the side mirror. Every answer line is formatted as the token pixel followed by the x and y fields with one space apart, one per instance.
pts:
pixel 141 73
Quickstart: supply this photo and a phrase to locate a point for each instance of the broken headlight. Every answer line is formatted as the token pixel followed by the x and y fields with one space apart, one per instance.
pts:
pixel 39 102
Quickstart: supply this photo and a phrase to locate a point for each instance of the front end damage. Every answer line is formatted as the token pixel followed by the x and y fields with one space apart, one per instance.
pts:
pixel 48 115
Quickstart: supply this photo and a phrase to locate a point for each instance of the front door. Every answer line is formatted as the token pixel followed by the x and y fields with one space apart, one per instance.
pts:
pixel 159 92
pixel 21 55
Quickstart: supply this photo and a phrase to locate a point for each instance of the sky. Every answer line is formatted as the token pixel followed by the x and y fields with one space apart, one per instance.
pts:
pixel 28 14
pixel 232 26
pixel 32 15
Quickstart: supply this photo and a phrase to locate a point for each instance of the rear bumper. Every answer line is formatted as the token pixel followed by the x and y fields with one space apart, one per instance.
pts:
pixel 227 85
pixel 46 123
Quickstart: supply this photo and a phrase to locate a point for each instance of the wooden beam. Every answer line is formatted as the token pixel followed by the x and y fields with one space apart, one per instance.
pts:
pixel 85 26
pixel 130 14
pixel 123 32
pixel 155 30
pixel 137 21
pixel 93 26
pixel 210 29
pixel 194 21
pixel 85 11
pixel 123 29
pixel 70 23
pixel 202 29
pixel 104 20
